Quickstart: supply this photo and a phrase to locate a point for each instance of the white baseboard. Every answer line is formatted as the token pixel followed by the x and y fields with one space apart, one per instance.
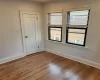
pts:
pixel 8 59
pixel 84 61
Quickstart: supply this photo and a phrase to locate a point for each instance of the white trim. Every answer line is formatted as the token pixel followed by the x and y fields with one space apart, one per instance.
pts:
pixel 84 61
pixel 22 32
pixel 78 9
pixel 22 27
pixel 8 59
pixel 28 12
pixel 41 49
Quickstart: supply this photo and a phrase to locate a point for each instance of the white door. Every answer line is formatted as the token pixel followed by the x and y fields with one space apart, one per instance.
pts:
pixel 29 23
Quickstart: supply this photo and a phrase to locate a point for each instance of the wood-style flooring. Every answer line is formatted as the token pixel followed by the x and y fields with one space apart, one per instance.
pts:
pixel 47 66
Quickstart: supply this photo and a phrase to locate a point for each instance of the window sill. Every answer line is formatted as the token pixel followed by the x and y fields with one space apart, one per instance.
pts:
pixel 70 45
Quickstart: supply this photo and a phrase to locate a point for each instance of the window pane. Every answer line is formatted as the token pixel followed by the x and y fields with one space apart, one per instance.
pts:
pixel 76 36
pixel 78 17
pixel 55 34
pixel 56 19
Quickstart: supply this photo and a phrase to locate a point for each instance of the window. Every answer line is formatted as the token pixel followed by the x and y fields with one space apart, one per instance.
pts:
pixel 55 33
pixel 55 26
pixel 77 27
pixel 55 19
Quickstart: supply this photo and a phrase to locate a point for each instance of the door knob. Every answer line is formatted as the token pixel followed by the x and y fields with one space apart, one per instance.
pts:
pixel 26 36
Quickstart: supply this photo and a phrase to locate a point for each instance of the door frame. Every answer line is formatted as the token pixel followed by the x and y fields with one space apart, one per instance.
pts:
pixel 22 27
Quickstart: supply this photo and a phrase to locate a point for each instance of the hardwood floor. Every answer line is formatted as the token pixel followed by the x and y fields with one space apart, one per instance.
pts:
pixel 47 66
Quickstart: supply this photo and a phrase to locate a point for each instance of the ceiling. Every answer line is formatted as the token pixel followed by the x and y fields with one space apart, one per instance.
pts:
pixel 44 1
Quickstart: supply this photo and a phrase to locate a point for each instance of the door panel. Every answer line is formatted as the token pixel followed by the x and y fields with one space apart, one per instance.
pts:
pixel 29 26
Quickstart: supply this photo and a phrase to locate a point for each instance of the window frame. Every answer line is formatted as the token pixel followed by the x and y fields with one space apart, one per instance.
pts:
pixel 49 35
pixel 85 27
pixel 49 19
pixel 85 34
pixel 54 26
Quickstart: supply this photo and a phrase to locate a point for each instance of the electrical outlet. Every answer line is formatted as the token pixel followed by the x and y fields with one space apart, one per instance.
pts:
pixel 38 46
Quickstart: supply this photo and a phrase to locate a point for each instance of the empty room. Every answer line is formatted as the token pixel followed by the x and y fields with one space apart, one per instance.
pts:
pixel 49 39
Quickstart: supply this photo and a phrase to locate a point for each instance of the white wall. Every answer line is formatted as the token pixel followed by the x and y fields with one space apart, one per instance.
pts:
pixel 92 51
pixel 10 29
